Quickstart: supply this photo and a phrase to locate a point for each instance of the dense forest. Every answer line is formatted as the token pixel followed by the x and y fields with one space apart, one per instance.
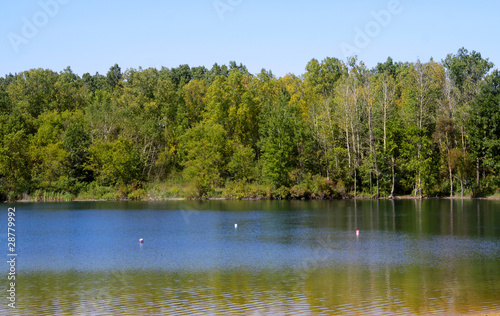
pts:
pixel 340 130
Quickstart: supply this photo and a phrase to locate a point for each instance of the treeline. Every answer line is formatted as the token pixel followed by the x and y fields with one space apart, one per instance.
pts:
pixel 340 130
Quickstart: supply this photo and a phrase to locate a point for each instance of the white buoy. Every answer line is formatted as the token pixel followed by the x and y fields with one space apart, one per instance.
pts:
pixel 141 241
pixel 357 233
pixel 235 226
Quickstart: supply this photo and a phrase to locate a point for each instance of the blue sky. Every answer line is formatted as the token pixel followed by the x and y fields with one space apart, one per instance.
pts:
pixel 280 35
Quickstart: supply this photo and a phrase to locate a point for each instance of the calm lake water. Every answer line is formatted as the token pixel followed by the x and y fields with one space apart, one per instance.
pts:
pixel 428 257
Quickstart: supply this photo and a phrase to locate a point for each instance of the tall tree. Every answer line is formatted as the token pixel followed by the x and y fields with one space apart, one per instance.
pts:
pixel 113 76
pixel 33 91
pixel 421 95
pixel 206 153
pixel 484 125
pixel 277 142
pixel 467 72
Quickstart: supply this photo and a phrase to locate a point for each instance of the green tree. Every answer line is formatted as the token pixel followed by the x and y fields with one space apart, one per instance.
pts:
pixel 420 101
pixel 242 163
pixel 113 77
pixel 206 152
pixel 48 153
pixel 103 116
pixel 15 164
pixel 33 91
pixel 277 143
pixel 320 82
pixel 5 101
pixel 76 142
pixel 484 126
pixel 194 94
pixel 70 91
pixel 117 162
pixel 466 72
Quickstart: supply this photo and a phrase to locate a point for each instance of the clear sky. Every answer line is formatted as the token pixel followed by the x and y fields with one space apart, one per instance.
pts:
pixel 280 35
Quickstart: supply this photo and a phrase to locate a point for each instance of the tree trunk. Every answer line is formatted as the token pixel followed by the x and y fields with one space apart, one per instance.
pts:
pixel 393 179
pixel 477 168
pixel 464 146
pixel 376 171
pixel 346 109
pixel 347 143
pixel 355 160
pixel 355 183
pixel 419 185
pixel 451 179
pixel 371 185
pixel 333 139
pixel 373 149
pixel 450 169
pixel 385 124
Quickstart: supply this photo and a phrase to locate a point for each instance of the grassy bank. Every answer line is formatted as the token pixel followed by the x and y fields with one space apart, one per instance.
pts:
pixel 319 189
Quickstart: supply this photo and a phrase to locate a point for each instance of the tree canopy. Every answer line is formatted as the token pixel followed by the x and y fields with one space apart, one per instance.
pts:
pixel 422 128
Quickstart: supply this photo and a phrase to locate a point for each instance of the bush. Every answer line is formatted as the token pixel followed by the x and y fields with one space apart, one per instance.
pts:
pixel 281 193
pixel 96 192
pixel 138 194
pixel 300 191
pixel 237 190
pixel 79 187
pixel 261 191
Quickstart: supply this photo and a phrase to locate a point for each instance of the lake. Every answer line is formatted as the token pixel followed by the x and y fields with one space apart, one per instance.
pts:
pixel 411 257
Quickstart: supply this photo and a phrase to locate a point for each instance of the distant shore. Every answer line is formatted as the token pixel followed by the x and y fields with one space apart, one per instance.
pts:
pixel 402 197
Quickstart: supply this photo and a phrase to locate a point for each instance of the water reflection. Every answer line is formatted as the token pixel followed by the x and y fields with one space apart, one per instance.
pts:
pixel 345 291
pixel 288 257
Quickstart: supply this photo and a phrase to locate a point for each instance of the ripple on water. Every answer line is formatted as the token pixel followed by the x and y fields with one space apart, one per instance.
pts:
pixel 285 258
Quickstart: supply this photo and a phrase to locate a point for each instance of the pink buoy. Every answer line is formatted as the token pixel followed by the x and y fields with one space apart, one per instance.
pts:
pixel 141 241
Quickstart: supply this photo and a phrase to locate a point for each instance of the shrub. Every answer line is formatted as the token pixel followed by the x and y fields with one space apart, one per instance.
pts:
pixel 138 194
pixel 281 193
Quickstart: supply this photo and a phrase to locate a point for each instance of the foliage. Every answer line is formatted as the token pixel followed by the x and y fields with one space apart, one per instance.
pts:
pixel 115 162
pixel 340 130
pixel 206 149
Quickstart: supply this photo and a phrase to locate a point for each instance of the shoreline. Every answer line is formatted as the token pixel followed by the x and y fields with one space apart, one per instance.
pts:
pixel 403 197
